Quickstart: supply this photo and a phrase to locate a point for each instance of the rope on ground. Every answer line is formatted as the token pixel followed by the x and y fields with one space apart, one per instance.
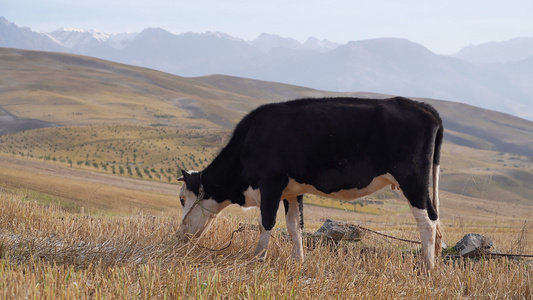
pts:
pixel 243 227
pixel 390 236
pixel 506 255
pixel 417 242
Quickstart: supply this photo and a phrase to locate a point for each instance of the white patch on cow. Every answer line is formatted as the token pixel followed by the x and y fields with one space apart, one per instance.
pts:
pixel 198 215
pixel 252 198
pixel 188 198
pixel 295 188
pixel 427 228
pixel 292 218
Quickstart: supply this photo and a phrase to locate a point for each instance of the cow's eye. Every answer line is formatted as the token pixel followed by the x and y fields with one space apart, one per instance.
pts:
pixel 182 200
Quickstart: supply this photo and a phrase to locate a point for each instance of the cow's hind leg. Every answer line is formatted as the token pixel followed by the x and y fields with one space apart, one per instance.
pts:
pixel 300 199
pixel 428 230
pixel 417 193
pixel 294 220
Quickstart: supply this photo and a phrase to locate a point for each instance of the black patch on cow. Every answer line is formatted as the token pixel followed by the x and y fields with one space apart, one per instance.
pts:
pixel 286 206
pixel 301 210
pixel 432 214
pixel 193 181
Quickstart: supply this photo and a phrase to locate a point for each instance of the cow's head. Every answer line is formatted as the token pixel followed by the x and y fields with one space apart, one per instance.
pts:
pixel 198 213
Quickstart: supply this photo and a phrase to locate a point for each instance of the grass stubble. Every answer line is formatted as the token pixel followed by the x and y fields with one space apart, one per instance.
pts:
pixel 49 253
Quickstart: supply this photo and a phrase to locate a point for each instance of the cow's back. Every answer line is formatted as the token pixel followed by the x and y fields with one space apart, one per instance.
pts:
pixel 335 143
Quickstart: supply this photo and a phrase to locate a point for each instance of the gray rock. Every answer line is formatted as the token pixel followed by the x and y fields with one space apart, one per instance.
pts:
pixel 336 231
pixel 473 244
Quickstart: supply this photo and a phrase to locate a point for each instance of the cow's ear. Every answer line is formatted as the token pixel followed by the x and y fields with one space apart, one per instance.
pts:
pixel 184 176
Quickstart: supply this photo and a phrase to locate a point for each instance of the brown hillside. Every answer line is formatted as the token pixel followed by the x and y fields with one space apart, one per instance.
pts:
pixel 47 89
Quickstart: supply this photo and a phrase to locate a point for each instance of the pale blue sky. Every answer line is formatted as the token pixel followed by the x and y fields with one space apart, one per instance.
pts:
pixel 442 26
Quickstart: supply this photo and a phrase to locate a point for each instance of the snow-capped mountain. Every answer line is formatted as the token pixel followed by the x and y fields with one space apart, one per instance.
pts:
pixel 90 41
pixel 121 40
pixel 312 43
pixel 11 36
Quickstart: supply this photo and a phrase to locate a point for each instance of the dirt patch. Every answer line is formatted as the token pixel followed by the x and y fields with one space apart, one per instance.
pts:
pixel 191 107
pixel 12 124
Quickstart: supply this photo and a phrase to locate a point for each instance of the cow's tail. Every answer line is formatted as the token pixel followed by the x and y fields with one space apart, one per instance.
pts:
pixel 436 174
pixel 436 167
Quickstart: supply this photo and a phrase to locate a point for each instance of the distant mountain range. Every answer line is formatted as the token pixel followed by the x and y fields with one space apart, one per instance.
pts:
pixel 514 50
pixel 496 76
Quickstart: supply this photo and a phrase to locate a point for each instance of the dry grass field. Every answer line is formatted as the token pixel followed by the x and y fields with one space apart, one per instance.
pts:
pixel 122 245
pixel 49 253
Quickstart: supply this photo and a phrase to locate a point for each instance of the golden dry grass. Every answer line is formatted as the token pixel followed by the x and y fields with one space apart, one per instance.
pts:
pixel 47 253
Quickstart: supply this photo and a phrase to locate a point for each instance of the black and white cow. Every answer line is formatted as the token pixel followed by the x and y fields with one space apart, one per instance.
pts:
pixel 342 148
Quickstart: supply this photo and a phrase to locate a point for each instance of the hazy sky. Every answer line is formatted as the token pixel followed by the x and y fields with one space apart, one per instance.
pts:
pixel 443 26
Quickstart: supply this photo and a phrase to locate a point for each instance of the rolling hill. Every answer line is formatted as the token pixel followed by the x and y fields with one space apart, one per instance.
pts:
pixel 68 89
pixel 82 90
pixel 111 114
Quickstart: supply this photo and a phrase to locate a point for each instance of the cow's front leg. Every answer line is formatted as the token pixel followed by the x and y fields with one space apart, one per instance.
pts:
pixel 270 198
pixel 293 218
pixel 264 237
